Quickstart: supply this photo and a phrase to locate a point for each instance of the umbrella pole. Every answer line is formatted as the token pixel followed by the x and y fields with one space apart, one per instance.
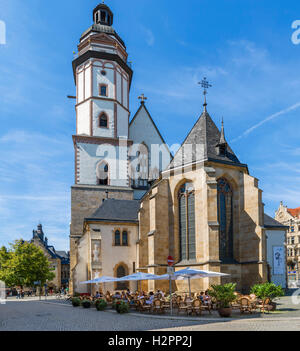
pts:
pixel 171 302
pixel 189 279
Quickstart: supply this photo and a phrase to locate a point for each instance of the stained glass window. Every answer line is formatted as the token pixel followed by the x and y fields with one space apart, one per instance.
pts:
pixel 225 217
pixel 187 222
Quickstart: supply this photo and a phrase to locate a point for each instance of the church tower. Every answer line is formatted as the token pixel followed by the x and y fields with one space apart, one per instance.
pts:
pixel 103 77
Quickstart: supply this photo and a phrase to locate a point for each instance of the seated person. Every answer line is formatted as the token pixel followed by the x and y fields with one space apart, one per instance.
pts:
pixel 201 296
pixel 207 298
pixel 141 295
pixel 151 298
pixel 98 295
pixel 117 296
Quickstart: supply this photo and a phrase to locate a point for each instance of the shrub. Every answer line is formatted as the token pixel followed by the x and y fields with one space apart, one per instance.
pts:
pixel 101 305
pixel 76 302
pixel 224 294
pixel 122 307
pixel 86 304
pixel 267 290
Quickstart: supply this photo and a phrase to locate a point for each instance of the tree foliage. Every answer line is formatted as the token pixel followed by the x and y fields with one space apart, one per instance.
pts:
pixel 23 264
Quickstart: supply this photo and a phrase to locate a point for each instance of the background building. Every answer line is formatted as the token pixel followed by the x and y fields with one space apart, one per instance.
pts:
pixel 59 260
pixel 290 217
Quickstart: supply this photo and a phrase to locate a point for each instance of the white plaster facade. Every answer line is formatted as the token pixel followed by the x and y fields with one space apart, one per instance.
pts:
pixel 275 239
pixel 108 258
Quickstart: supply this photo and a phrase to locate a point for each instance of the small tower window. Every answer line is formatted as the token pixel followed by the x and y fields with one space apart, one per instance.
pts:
pixel 125 238
pixel 103 16
pixel 102 173
pixel 103 90
pixel 103 121
pixel 117 238
pixel 97 17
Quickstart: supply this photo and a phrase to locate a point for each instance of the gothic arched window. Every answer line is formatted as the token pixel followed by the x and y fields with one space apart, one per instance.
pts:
pixel 186 198
pixel 103 121
pixel 117 238
pixel 121 272
pixel 125 238
pixel 102 172
pixel 225 217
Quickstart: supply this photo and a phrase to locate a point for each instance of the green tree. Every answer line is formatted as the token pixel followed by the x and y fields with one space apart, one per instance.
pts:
pixel 23 264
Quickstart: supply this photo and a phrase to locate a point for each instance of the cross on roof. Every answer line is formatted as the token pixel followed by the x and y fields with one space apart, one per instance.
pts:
pixel 142 98
pixel 205 85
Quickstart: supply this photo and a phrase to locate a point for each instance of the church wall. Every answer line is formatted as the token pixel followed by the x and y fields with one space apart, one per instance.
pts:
pixel 90 155
pixel 142 130
pixel 85 200
pixel 108 79
pixel 83 123
pixel 100 106
pixel 123 117
pixel 144 229
pixel 80 274
pixel 112 256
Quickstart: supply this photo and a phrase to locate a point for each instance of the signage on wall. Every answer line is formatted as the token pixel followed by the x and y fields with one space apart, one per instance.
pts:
pixel 170 261
pixel 278 260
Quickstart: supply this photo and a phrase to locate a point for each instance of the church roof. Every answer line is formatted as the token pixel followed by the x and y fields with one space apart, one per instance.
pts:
pixel 270 222
pixel 295 212
pixel 117 211
pixel 143 106
pixel 201 145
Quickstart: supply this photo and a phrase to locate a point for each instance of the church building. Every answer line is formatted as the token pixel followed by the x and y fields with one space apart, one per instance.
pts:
pixel 133 204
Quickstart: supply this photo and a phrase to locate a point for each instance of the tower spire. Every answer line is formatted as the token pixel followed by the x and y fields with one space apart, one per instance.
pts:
pixel 222 138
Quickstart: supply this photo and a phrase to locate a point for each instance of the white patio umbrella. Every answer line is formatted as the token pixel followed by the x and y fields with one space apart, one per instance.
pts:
pixel 103 279
pixel 191 273
pixel 139 276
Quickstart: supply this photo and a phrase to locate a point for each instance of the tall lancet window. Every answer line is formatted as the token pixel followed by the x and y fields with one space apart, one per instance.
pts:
pixel 225 217
pixel 186 199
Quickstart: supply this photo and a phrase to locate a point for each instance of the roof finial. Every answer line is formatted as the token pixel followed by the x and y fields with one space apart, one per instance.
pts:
pixel 222 138
pixel 205 85
pixel 142 98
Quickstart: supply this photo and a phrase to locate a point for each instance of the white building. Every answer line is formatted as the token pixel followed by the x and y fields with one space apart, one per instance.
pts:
pixel 276 251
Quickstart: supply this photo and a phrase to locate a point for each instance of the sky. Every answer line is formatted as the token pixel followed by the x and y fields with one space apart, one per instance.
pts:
pixel 243 47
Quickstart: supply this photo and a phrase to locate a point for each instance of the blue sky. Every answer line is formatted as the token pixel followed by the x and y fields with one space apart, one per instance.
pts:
pixel 243 47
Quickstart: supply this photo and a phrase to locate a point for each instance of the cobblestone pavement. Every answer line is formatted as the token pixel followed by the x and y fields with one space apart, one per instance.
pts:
pixel 53 315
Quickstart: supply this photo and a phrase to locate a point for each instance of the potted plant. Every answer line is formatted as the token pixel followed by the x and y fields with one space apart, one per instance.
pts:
pixel 268 291
pixel 101 305
pixel 122 307
pixel 76 302
pixel 224 295
pixel 86 304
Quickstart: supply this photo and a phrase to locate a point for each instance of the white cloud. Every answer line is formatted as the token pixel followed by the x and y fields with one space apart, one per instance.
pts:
pixel 148 36
pixel 267 119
